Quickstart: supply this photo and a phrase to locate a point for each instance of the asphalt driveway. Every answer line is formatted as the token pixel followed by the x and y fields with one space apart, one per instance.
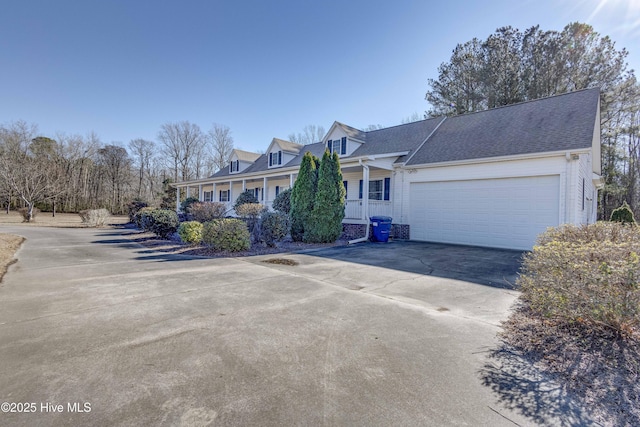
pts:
pixel 88 321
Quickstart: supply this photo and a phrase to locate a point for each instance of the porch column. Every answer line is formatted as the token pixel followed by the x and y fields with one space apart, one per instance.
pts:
pixel 200 192
pixel 264 191
pixel 213 197
pixel 177 199
pixel 291 180
pixel 244 185
pixel 365 192
pixel 188 191
pixel 230 191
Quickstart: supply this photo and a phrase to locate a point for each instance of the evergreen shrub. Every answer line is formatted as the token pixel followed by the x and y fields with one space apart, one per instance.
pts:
pixel 227 234
pixel 274 226
pixel 623 214
pixel 190 232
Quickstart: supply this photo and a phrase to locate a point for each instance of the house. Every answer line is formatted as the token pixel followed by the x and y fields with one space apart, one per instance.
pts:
pixel 494 178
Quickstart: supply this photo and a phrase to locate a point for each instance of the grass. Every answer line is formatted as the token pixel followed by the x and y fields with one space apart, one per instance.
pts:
pixel 45 219
pixel 9 245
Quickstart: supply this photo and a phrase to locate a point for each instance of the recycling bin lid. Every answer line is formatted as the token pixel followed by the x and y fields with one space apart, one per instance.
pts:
pixel 380 218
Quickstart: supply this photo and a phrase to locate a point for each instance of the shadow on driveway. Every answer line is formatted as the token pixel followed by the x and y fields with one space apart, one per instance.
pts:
pixel 486 266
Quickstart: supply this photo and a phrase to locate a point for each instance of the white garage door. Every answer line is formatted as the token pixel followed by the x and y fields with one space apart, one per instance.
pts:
pixel 502 213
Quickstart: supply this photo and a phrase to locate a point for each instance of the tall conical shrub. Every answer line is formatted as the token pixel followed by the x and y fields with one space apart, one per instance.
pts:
pixel 328 209
pixel 623 214
pixel 303 195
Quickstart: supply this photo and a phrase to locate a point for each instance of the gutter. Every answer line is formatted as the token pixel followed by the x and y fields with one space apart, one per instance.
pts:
pixel 366 235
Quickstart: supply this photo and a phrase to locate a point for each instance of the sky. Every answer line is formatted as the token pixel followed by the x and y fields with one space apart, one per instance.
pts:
pixel 265 69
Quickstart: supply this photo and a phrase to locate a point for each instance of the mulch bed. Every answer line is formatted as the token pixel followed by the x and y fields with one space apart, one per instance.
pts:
pixel 175 246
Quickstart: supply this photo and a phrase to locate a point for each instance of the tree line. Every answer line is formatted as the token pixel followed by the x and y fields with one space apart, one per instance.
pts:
pixel 70 173
pixel 511 66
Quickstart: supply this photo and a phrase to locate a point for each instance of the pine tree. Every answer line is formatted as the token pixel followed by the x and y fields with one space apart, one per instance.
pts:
pixel 303 195
pixel 328 211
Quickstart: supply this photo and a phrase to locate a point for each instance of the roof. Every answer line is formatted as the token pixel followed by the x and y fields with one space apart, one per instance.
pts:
pixel 352 132
pixel 246 156
pixel 397 139
pixel 557 123
pixel 289 146
pixel 262 164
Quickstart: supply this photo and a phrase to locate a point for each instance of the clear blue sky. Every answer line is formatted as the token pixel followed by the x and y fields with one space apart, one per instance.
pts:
pixel 264 68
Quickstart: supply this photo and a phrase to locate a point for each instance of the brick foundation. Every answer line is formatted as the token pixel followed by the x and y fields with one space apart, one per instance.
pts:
pixel 356 231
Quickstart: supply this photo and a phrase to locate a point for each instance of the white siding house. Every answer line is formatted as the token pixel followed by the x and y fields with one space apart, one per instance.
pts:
pixel 494 178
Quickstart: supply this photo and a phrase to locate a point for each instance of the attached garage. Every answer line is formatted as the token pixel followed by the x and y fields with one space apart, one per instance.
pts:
pixel 502 213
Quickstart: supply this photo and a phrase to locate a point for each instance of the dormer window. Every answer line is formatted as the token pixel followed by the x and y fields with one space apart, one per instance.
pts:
pixel 275 158
pixel 337 146
pixel 234 166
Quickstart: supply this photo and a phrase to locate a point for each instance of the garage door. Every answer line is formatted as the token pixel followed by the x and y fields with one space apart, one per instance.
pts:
pixel 502 213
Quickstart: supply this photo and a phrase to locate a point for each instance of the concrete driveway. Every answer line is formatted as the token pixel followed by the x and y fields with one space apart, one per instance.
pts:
pixel 91 322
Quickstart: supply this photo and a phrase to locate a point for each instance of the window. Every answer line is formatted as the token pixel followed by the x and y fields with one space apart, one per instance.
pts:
pixel 208 196
pixel 379 189
pixel 224 195
pixel 277 190
pixel 344 183
pixel 256 193
pixel 337 146
pixel 234 166
pixel 275 158
pixel 375 189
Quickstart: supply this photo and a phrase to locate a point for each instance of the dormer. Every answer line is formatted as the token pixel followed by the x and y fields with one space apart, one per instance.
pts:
pixel 281 152
pixel 343 139
pixel 240 160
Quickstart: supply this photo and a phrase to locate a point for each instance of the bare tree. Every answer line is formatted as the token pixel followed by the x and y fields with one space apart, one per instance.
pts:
pixel 142 152
pixel 116 164
pixel 181 144
pixel 221 146
pixel 415 117
pixel 310 134
pixel 26 164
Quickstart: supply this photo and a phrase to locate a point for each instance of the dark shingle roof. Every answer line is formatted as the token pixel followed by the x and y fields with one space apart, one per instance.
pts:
pixel 262 164
pixel 397 138
pixel 562 122
pixel 352 132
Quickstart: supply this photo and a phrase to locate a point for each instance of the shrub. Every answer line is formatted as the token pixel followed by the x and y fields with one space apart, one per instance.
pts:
pixel 325 221
pixel 207 211
pixel 134 207
pixel 186 203
pixel 95 217
pixel 164 222
pixel 142 218
pixel 250 213
pixel 303 195
pixel 227 234
pixel 282 202
pixel 274 226
pixel 191 232
pixel 246 196
pixel 587 275
pixel 623 214
pixel 25 214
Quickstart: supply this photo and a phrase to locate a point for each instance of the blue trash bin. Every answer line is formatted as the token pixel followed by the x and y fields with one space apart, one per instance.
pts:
pixel 381 226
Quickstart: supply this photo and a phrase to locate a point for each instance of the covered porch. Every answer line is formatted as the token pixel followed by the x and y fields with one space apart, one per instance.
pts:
pixel 368 188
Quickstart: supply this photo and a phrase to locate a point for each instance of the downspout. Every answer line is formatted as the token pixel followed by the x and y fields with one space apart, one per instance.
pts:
pixel 365 197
